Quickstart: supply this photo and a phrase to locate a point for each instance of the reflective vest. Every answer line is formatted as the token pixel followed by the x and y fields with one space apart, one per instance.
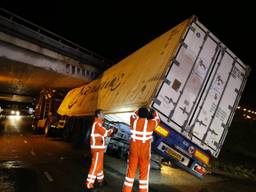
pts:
pixel 142 128
pixel 98 135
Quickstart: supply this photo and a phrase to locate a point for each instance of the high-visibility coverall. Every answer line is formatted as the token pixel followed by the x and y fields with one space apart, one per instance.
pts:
pixel 140 151
pixel 98 146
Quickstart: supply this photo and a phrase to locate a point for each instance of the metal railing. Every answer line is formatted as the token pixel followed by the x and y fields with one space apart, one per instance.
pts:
pixel 13 18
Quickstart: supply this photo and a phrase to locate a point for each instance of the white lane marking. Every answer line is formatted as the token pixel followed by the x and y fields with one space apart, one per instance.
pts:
pixel 48 176
pixel 25 141
pixel 32 153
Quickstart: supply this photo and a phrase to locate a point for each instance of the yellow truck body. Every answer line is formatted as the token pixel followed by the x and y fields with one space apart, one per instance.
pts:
pixel 129 84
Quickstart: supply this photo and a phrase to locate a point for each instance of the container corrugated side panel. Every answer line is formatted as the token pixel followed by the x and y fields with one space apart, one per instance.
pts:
pixel 136 78
pixel 130 83
pixel 80 101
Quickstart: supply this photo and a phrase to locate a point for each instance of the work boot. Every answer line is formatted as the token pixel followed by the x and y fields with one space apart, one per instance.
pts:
pixel 102 184
pixel 86 189
pixel 90 190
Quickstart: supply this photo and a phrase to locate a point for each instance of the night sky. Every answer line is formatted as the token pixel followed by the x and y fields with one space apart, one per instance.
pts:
pixel 115 29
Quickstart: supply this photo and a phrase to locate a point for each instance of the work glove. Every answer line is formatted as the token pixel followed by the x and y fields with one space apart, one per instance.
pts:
pixel 115 130
pixel 151 110
pixel 151 113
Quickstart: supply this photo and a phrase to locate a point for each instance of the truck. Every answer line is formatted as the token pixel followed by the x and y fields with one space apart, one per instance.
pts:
pixel 46 119
pixel 190 77
pixel 119 143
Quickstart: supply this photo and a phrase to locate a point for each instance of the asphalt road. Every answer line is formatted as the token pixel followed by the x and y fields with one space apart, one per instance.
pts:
pixel 35 163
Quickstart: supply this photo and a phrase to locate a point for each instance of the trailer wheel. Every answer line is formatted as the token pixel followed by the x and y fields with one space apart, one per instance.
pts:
pixel 155 165
pixel 67 131
pixel 77 138
pixel 123 155
pixel 48 131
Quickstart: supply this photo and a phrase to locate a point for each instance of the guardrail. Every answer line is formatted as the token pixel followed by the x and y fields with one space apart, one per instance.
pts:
pixel 24 27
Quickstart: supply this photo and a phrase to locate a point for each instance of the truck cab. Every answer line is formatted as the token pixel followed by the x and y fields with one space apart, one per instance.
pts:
pixel 46 117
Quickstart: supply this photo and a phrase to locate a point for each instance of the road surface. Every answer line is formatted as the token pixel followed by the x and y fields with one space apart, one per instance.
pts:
pixel 35 163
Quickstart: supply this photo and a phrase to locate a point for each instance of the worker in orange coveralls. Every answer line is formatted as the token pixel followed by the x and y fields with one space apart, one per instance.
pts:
pixel 98 147
pixel 143 123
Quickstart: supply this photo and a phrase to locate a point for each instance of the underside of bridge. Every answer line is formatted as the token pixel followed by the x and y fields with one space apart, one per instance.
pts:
pixel 33 58
pixel 23 79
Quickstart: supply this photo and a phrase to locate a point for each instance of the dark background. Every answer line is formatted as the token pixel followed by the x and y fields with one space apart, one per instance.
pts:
pixel 115 29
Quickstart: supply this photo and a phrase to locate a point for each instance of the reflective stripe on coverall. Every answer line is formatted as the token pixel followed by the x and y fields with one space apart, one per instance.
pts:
pixel 140 151
pixel 98 146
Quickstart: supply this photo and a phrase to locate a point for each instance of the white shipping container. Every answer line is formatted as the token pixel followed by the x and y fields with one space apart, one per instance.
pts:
pixel 202 89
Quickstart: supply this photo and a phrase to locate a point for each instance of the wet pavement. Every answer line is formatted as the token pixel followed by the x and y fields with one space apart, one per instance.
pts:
pixel 36 163
pixel 16 176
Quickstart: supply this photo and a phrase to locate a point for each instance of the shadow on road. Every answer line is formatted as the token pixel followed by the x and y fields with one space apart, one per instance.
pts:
pixel 160 188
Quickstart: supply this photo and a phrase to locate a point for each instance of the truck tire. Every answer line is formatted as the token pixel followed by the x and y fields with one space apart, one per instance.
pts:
pixel 59 133
pixel 49 131
pixel 87 126
pixel 77 138
pixel 123 155
pixel 155 165
pixel 67 131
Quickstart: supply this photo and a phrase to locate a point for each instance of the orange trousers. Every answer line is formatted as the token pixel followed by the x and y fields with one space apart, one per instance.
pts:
pixel 139 157
pixel 96 169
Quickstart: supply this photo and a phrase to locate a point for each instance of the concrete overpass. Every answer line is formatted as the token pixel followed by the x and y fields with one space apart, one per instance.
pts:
pixel 32 58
